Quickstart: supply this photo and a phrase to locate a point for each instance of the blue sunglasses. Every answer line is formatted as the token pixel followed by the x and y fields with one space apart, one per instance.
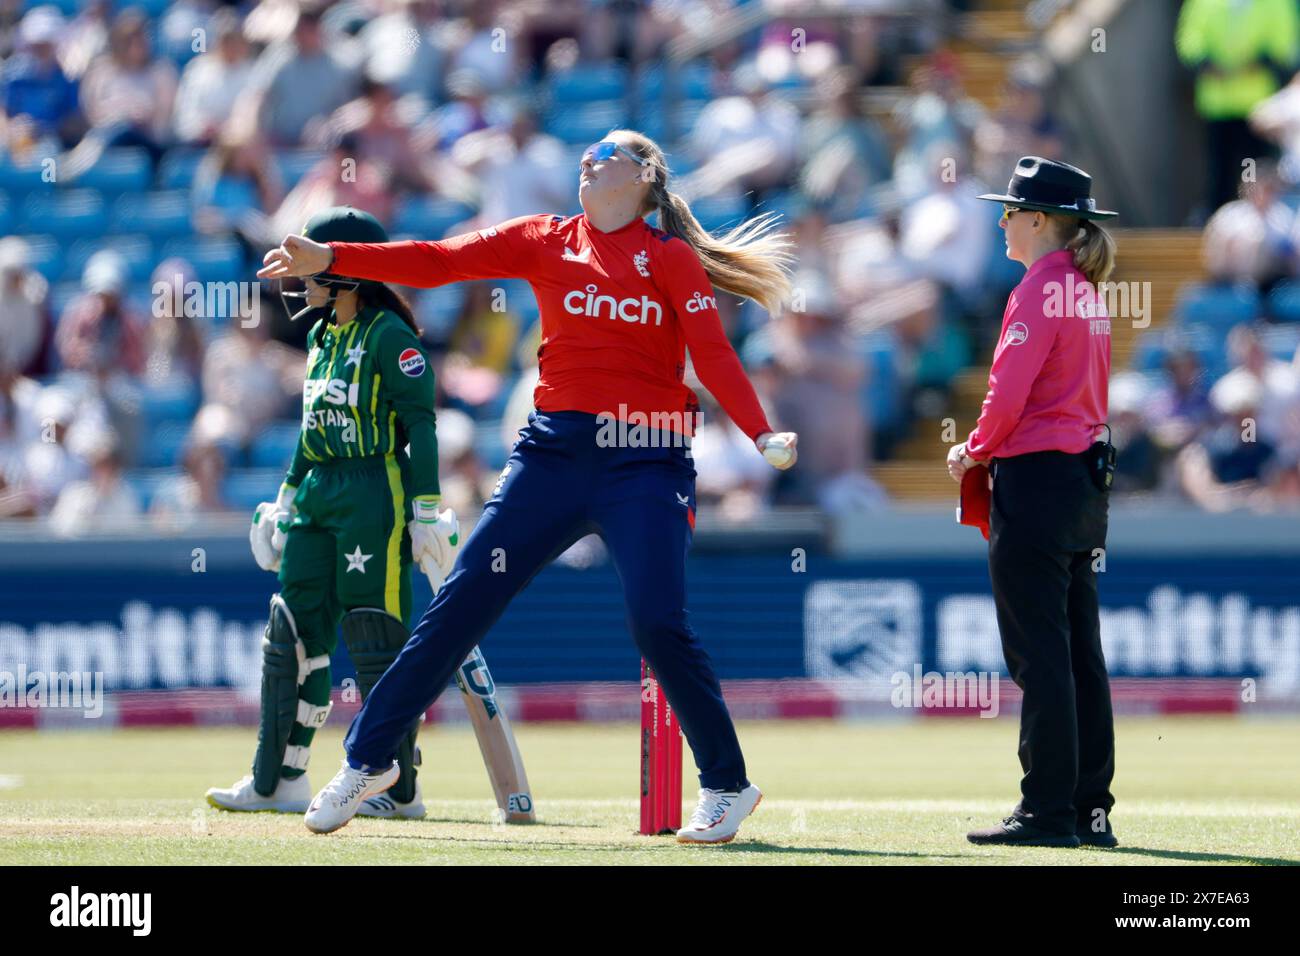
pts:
pixel 605 149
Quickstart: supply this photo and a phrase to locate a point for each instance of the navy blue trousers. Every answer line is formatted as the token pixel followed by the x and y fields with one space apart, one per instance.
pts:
pixel 559 485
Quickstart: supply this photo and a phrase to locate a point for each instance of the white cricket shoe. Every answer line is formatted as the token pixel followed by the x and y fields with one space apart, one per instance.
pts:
pixel 291 796
pixel 334 806
pixel 719 814
pixel 385 807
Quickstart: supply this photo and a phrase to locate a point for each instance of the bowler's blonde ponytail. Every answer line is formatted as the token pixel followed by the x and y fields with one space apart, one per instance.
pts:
pixel 750 260
pixel 1093 248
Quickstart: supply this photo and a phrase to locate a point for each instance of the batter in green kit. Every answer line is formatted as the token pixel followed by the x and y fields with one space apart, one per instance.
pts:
pixel 354 511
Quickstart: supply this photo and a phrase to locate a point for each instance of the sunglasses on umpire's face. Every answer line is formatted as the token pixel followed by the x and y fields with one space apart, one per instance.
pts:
pixel 605 150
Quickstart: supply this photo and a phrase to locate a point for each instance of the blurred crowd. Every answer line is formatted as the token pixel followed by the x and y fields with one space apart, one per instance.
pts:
pixel 1211 410
pixel 440 116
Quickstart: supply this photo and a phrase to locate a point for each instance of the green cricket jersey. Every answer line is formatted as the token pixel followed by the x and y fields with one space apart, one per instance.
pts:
pixel 369 391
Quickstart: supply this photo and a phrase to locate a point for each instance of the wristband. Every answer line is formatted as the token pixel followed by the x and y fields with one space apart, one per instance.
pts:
pixel 426 508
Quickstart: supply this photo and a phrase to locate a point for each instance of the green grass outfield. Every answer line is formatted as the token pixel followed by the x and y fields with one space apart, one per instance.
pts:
pixel 1191 790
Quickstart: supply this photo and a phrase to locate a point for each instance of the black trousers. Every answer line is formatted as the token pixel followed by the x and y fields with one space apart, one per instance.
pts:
pixel 1046 524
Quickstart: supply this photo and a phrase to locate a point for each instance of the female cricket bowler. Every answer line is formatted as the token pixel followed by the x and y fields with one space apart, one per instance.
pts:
pixel 354 511
pixel 620 302
pixel 1038 431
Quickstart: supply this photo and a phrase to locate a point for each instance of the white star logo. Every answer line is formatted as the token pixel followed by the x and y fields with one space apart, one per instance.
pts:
pixel 357 560
pixel 354 356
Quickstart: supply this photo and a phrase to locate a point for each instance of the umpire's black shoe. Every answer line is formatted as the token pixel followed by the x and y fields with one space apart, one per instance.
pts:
pixel 1106 839
pixel 1019 831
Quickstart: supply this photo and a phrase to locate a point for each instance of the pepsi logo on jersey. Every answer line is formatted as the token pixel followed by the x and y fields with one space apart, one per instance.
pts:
pixel 336 391
pixel 411 362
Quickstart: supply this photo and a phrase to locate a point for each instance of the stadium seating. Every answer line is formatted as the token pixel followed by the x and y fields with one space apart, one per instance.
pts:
pixel 1207 342
pixel 581 124
pixel 273 447
pixel 429 217
pixel 488 445
pixel 233 196
pixel 1283 304
pixel 178 167
pixel 438 308
pixel 146 482
pixel 720 212
pixel 161 404
pixel 24 176
pixel 160 215
pixel 163 449
pixel 138 252
pixel 245 488
pixel 1221 306
pixel 118 171
pixel 582 84
pixel 882 392
pixel 69 8
pixel 293 164
pixel 693 81
pixel 214 260
pixel 1281 341
pixel 65 215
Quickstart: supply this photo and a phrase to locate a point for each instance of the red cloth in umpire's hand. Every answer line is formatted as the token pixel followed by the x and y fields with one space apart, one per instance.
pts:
pixel 976 496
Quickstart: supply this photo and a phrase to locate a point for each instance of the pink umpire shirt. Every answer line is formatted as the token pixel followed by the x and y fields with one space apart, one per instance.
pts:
pixel 1051 368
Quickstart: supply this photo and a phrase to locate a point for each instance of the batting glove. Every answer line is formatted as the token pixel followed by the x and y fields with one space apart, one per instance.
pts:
pixel 270 525
pixel 435 539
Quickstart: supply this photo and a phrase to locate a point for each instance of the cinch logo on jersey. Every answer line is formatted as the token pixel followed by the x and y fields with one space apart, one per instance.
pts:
pixel 335 390
pixel 698 303
pixel 411 362
pixel 598 306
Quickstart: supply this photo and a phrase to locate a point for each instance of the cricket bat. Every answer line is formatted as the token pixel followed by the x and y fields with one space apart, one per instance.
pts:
pixel 496 741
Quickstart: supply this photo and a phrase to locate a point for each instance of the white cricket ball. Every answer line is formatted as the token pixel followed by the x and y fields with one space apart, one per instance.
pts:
pixel 777 455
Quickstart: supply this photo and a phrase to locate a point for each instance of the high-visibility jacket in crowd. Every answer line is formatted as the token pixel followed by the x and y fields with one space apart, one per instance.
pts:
pixel 1239 46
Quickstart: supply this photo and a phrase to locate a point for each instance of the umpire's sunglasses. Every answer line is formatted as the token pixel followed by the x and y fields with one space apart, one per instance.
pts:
pixel 605 149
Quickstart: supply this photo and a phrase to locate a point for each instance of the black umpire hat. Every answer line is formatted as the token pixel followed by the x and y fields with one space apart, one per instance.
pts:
pixel 1049 186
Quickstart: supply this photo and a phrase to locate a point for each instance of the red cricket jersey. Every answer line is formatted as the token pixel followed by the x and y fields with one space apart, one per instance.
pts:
pixel 619 310
pixel 1051 368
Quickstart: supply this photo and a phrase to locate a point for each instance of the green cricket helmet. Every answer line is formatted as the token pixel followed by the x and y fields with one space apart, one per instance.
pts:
pixel 335 224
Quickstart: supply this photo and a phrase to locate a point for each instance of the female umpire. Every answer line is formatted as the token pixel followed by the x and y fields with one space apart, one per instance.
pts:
pixel 1038 433
pixel 620 303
